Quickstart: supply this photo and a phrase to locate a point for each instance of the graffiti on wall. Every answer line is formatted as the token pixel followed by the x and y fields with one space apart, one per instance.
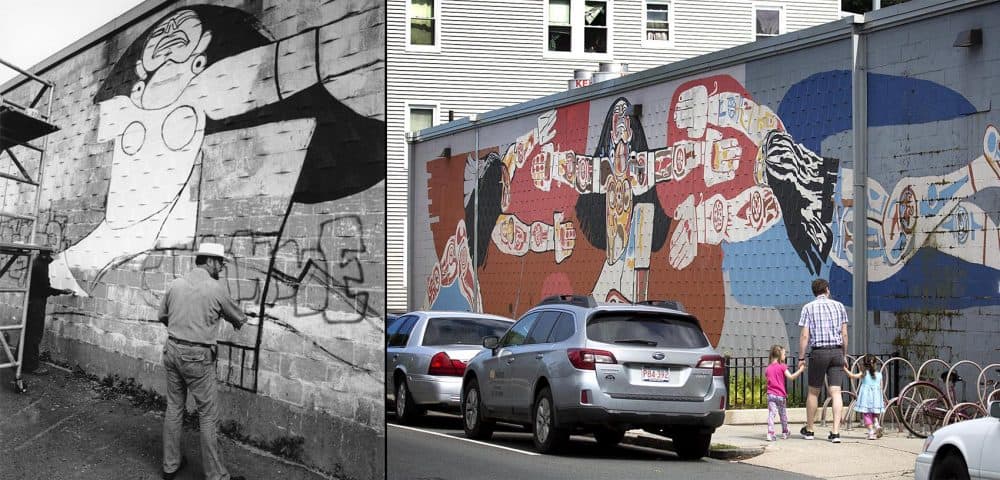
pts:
pixel 208 117
pixel 628 221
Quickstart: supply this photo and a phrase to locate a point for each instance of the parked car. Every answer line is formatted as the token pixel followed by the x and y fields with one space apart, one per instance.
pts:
pixel 963 450
pixel 570 364
pixel 426 354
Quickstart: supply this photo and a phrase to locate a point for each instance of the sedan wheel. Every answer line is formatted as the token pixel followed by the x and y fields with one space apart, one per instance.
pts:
pixel 472 414
pixel 406 410
pixel 951 467
pixel 547 437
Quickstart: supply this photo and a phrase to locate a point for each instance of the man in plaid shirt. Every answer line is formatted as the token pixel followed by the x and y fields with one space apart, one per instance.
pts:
pixel 824 331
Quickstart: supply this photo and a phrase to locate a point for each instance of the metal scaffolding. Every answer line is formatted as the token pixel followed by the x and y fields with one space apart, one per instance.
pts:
pixel 20 126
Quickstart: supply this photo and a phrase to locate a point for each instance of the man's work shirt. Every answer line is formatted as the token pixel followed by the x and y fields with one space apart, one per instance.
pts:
pixel 824 318
pixel 193 305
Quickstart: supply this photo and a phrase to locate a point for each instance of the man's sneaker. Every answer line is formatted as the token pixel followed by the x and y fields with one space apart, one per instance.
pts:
pixel 833 437
pixel 770 437
pixel 806 434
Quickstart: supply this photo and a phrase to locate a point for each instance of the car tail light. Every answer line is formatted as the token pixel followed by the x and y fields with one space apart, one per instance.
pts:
pixel 587 358
pixel 442 364
pixel 715 362
pixel 585 396
pixel 722 403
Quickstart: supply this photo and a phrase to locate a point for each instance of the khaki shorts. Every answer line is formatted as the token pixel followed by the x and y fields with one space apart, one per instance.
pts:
pixel 828 363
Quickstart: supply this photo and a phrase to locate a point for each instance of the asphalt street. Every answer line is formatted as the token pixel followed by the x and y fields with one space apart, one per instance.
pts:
pixel 435 448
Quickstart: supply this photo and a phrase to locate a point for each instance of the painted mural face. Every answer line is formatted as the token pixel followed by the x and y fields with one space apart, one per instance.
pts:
pixel 171 58
pixel 175 39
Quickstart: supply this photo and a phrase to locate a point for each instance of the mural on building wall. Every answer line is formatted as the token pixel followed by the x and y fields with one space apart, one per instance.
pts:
pixel 199 71
pixel 206 112
pixel 628 221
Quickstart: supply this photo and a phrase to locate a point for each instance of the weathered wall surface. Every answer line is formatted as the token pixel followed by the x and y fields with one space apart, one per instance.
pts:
pixel 934 153
pixel 733 190
pixel 256 125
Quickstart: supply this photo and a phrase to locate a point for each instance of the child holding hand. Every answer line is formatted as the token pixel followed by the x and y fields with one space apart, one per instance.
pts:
pixel 776 373
pixel 870 402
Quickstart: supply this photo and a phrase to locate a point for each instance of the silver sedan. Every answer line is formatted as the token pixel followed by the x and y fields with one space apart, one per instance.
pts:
pixel 426 354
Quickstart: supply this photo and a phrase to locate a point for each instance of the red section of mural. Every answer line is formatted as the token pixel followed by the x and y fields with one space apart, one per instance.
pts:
pixel 672 193
pixel 445 193
pixel 533 205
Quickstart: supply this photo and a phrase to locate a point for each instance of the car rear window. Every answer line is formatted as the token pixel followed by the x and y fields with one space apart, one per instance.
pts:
pixel 654 330
pixel 462 331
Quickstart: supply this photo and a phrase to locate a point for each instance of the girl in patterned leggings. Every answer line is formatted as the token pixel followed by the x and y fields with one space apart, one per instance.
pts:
pixel 776 374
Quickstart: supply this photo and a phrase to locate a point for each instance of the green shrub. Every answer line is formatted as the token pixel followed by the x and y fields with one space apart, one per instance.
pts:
pixel 750 391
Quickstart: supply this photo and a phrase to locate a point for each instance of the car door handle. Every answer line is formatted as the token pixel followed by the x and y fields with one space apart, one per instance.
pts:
pixel 395 357
pixel 510 360
pixel 538 356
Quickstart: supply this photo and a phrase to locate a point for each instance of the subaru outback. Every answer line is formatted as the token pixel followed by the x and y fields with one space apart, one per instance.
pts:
pixel 573 365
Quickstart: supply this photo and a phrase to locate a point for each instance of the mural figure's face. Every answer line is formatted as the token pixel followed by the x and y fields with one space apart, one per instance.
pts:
pixel 171 58
pixel 175 39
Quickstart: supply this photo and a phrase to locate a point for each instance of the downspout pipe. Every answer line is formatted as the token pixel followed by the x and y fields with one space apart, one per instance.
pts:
pixel 859 127
pixel 477 305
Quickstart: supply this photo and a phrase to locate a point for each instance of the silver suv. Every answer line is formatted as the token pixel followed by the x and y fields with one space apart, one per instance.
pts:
pixel 571 364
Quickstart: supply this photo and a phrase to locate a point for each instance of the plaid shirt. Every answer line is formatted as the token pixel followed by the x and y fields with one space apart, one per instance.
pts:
pixel 824 317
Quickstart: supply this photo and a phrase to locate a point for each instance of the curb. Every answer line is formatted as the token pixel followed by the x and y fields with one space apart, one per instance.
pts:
pixel 663 443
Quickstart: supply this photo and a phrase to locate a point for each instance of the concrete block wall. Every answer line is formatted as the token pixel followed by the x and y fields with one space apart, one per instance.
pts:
pixel 944 301
pixel 284 164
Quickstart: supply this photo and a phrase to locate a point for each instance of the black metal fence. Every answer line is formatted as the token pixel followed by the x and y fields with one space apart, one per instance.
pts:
pixel 747 386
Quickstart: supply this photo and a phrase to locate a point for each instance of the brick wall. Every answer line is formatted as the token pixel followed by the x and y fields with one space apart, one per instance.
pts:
pixel 274 147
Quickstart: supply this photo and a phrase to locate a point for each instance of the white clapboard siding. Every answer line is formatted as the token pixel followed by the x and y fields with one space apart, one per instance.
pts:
pixel 491 56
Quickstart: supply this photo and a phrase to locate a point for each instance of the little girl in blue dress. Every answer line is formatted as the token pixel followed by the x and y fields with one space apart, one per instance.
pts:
pixel 870 401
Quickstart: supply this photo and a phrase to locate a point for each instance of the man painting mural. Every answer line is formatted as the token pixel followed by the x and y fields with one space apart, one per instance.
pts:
pixel 191 310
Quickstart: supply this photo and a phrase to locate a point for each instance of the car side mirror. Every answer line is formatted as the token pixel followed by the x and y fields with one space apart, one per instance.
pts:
pixel 491 342
pixel 995 409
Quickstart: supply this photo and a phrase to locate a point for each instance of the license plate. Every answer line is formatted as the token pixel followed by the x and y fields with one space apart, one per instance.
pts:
pixel 655 374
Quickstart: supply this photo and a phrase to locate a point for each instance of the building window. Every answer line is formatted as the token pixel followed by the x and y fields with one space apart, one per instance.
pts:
pixel 595 30
pixel 657 21
pixel 421 117
pixel 423 25
pixel 769 20
pixel 578 26
pixel 560 26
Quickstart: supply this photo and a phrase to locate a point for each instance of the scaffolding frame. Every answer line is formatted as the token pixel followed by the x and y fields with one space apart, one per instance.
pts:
pixel 20 125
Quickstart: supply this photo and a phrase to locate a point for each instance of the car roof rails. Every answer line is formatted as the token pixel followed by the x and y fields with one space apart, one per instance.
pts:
pixel 672 304
pixel 577 300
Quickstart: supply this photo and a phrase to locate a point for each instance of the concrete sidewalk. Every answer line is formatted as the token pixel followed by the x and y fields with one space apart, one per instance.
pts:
pixel 64 427
pixel 856 458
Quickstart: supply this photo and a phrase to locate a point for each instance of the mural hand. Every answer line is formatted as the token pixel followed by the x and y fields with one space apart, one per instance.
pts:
pixel 692 111
pixel 546 127
pixel 684 240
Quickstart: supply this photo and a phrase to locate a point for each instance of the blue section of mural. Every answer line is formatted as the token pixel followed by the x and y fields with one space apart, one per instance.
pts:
pixel 932 280
pixel 813 110
pixel 766 271
pixel 451 298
